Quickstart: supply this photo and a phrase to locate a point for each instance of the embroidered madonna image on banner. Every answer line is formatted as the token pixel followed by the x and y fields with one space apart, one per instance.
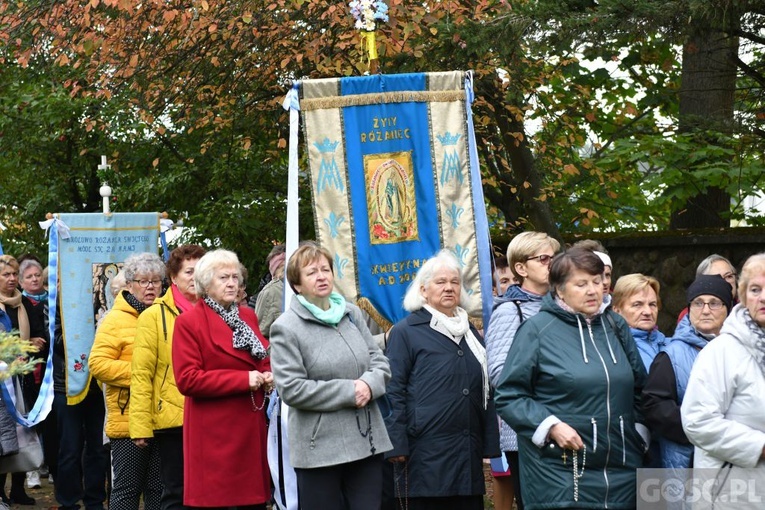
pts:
pixel 394 179
pixel 391 201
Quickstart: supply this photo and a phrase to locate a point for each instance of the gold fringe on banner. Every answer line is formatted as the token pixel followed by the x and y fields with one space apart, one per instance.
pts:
pixel 368 307
pixel 413 96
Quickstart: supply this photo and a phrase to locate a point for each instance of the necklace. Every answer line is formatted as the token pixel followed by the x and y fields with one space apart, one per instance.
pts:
pixel 403 499
pixel 368 431
pixel 255 407
pixel 578 474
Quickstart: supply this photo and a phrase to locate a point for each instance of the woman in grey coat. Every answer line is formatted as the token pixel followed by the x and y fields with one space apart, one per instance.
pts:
pixel 329 370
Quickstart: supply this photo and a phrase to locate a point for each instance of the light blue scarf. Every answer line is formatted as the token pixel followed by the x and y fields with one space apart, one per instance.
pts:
pixel 333 315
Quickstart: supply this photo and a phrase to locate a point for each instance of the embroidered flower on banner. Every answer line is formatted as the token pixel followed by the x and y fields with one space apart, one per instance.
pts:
pixel 368 12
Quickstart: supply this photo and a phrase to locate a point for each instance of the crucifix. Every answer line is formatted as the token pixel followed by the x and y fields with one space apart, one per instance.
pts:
pixel 564 457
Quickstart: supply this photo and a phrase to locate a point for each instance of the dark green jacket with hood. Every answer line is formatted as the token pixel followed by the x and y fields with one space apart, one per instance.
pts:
pixel 588 374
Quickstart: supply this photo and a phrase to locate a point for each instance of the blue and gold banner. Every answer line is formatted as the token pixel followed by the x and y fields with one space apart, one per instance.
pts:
pixel 395 179
pixel 87 258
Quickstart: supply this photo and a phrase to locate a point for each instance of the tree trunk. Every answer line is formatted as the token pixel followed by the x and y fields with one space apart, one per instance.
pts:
pixel 708 85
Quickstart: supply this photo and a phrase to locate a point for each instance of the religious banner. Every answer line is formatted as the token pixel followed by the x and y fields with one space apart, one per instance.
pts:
pixel 394 179
pixel 88 257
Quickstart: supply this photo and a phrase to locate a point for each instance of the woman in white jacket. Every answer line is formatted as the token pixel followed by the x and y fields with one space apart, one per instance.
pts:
pixel 723 412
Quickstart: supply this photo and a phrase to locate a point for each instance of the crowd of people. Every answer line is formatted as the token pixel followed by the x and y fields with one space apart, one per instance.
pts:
pixel 568 390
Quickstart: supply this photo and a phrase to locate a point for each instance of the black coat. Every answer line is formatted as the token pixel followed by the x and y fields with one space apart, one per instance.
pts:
pixel 438 421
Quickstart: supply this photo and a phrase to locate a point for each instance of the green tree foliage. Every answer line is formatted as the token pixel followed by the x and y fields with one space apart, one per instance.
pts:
pixel 577 106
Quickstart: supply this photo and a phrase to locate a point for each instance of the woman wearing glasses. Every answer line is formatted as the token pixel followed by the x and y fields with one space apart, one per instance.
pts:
pixel 724 407
pixel 529 255
pixel 135 470
pixel 709 302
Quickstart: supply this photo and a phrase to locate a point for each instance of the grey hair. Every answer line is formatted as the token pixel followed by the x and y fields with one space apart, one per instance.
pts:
pixel 211 261
pixel 707 263
pixel 413 299
pixel 26 264
pixel 146 262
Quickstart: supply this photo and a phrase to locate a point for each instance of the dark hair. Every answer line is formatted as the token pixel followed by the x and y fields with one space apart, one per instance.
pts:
pixel 182 253
pixel 500 262
pixel 574 258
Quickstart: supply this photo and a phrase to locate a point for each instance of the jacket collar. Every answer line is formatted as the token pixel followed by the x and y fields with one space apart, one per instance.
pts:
pixel 421 316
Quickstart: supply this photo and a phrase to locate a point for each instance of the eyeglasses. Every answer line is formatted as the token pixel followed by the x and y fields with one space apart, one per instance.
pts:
pixel 145 283
pixel 543 259
pixel 713 305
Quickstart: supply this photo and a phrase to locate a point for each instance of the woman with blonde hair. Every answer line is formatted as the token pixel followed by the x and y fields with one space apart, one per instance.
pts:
pixel 330 371
pixel 636 298
pixel 529 255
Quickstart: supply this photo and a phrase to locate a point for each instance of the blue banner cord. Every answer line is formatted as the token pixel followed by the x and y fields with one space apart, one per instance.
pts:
pixel 483 236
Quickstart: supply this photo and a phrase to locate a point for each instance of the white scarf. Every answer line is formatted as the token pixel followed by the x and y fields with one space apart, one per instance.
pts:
pixel 455 328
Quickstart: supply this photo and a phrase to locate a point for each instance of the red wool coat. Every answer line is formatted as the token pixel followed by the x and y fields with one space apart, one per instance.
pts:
pixel 224 439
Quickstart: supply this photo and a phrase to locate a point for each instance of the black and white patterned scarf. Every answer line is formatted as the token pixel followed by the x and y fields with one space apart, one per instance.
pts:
pixel 245 338
pixel 133 301
pixel 757 340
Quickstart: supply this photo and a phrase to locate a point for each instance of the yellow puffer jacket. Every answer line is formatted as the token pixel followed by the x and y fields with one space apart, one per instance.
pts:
pixel 156 402
pixel 110 363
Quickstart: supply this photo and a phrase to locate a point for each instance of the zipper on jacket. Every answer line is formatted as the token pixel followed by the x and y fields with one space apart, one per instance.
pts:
pixel 315 431
pixel 608 413
pixel 164 377
pixel 624 450
pixel 594 435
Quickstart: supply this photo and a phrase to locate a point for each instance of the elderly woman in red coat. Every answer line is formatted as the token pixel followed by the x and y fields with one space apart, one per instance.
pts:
pixel 222 367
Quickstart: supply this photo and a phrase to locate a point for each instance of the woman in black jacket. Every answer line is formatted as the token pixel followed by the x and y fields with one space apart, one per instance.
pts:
pixel 442 423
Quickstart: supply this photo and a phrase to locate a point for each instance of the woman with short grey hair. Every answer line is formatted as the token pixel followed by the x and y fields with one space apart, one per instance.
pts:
pixel 443 422
pixel 135 470
pixel 222 367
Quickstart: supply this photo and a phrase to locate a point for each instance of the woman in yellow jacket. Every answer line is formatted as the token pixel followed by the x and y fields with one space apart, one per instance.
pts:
pixel 156 408
pixel 135 470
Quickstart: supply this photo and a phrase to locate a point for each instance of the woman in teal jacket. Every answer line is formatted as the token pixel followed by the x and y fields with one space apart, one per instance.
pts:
pixel 571 390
